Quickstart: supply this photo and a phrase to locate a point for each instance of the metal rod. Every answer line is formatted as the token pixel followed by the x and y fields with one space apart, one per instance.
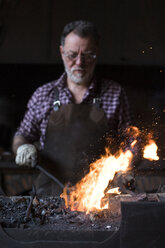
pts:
pixel 28 211
pixel 50 175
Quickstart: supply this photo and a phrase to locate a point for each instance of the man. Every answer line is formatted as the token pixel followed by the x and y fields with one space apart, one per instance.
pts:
pixel 72 116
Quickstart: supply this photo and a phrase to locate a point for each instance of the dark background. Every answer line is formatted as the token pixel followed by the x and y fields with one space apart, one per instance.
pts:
pixel 132 52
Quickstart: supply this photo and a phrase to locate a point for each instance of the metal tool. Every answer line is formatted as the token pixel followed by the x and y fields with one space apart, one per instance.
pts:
pixel 28 211
pixel 49 175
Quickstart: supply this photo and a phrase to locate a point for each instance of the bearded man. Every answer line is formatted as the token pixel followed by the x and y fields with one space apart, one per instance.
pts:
pixel 72 116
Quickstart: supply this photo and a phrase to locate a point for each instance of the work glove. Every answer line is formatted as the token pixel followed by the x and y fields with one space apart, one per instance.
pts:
pixel 26 155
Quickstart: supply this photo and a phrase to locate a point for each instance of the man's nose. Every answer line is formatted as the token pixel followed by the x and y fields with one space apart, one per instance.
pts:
pixel 79 60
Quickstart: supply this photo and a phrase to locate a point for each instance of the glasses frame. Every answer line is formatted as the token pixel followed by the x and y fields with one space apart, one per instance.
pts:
pixel 88 57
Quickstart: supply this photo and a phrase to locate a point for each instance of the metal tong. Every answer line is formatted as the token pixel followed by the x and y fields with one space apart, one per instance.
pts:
pixel 49 175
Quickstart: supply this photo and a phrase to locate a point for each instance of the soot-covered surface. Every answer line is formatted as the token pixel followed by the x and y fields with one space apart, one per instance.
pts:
pixel 50 213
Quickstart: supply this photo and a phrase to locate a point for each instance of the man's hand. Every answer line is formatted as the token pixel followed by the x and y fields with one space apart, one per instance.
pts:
pixel 26 155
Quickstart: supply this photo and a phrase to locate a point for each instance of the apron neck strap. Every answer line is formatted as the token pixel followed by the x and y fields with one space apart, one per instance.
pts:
pixel 97 102
pixel 97 99
pixel 56 103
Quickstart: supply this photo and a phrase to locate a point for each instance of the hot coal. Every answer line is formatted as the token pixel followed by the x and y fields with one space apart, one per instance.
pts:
pixel 50 213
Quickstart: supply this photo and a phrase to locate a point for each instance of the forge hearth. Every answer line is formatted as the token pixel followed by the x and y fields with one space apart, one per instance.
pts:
pixel 51 213
pixel 132 221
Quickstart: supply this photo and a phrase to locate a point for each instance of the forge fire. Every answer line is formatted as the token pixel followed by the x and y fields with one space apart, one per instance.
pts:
pixel 87 194
pixel 93 203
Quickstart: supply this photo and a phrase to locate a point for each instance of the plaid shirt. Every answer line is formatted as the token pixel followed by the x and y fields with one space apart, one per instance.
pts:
pixel 113 102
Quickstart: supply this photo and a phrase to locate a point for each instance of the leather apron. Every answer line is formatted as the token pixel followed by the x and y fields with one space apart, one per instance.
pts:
pixel 75 137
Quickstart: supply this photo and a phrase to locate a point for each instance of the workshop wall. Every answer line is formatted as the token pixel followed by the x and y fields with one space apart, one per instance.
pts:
pixel 132 32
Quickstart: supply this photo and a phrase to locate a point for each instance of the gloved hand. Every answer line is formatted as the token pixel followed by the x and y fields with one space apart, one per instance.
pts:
pixel 26 155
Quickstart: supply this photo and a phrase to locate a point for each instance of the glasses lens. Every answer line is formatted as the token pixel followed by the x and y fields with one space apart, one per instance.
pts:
pixel 88 57
pixel 72 56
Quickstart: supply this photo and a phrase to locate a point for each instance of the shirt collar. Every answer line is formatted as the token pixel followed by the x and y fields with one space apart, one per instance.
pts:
pixel 61 85
pixel 61 82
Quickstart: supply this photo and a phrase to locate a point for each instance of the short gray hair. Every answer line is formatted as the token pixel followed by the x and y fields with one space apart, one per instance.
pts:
pixel 82 28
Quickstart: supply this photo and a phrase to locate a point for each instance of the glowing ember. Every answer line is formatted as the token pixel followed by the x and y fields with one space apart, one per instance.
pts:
pixel 150 151
pixel 133 143
pixel 86 195
pixel 114 191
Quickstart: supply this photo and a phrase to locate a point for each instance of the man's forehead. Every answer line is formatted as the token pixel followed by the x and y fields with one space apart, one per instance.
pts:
pixel 74 41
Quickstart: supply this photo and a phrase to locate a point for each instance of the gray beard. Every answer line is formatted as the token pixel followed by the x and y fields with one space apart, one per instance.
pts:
pixel 79 79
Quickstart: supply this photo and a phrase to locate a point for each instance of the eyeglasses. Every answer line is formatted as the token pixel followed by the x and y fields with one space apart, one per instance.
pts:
pixel 87 57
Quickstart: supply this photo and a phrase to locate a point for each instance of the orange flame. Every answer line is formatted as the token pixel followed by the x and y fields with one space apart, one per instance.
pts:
pixel 133 143
pixel 150 151
pixel 114 191
pixel 133 132
pixel 86 195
